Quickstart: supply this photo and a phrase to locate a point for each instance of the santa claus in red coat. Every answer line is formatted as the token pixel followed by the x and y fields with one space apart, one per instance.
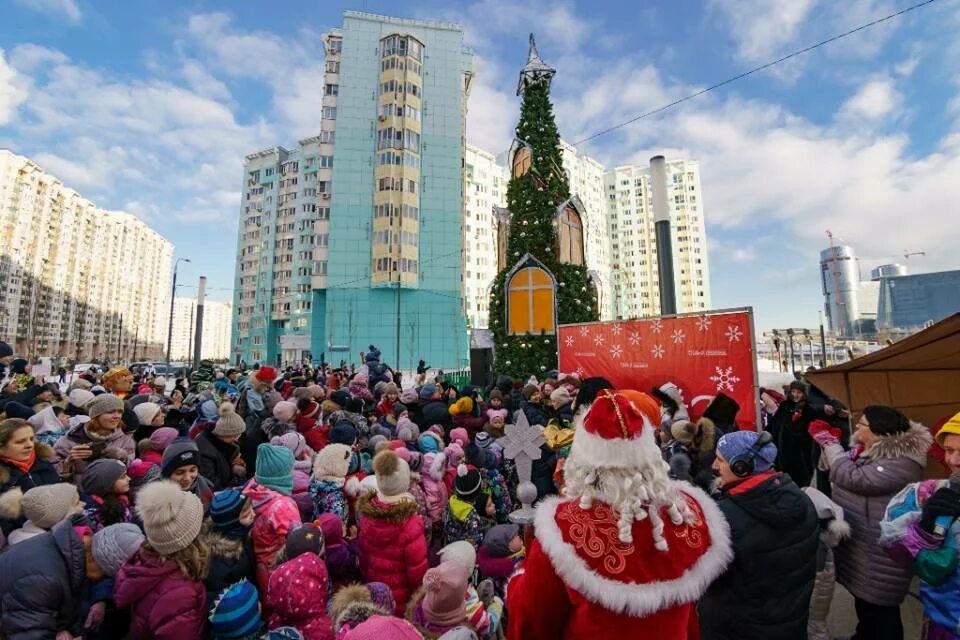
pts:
pixel 628 552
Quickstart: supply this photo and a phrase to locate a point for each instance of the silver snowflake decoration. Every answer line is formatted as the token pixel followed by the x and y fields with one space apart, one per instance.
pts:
pixel 581 371
pixel 616 329
pixel 703 323
pixel 657 352
pixel 635 338
pixel 616 351
pixel 568 340
pixel 734 333
pixel 724 379
pixel 584 331
pixel 521 443
pixel 598 339
pixel 656 326
pixel 677 336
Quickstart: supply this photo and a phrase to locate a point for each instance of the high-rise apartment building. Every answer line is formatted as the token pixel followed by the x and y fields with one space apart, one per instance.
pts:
pixel 486 188
pixel 215 338
pixel 633 250
pixel 78 281
pixel 332 257
pixel 585 176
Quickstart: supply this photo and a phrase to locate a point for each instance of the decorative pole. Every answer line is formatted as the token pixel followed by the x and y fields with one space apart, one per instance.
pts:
pixel 522 444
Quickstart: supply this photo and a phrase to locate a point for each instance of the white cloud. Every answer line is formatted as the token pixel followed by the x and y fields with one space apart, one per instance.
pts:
pixel 12 94
pixel 60 9
pixel 763 29
pixel 875 100
pixel 202 81
pixel 491 111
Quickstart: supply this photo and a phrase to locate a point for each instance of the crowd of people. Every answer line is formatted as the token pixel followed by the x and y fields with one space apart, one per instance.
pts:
pixel 340 503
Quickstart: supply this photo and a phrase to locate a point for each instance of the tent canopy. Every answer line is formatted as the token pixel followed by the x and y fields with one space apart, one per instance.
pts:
pixel 919 375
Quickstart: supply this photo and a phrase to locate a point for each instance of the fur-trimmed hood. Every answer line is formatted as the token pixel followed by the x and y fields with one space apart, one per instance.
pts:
pixel 10 501
pixel 43 451
pixel 397 512
pixel 352 605
pixel 222 546
pixel 913 444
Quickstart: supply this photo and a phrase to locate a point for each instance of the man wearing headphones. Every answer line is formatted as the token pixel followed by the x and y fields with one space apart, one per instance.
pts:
pixel 765 592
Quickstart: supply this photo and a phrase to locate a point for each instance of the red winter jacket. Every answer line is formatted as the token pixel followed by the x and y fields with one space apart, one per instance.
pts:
pixel 164 604
pixel 472 424
pixel 393 547
pixel 297 597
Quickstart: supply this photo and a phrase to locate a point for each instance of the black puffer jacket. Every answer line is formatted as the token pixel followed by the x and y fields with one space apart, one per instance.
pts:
pixel 436 412
pixel 765 592
pixel 41 581
pixel 216 460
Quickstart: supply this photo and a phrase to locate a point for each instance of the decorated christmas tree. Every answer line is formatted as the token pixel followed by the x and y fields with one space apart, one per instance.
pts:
pixel 544 246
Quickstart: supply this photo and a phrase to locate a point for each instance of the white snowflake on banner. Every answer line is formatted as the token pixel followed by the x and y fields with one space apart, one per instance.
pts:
pixel 580 371
pixel 569 340
pixel 584 330
pixel 598 339
pixel 656 326
pixel 635 338
pixel 734 333
pixel 616 351
pixel 616 329
pixel 703 323
pixel 724 379
pixel 657 352
pixel 677 336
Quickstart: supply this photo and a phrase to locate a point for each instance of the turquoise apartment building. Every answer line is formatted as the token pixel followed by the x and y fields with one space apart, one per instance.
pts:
pixel 355 237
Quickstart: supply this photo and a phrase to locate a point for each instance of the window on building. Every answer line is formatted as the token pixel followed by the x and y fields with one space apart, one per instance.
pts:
pixel 329 113
pixel 333 66
pixel 331 89
pixel 530 302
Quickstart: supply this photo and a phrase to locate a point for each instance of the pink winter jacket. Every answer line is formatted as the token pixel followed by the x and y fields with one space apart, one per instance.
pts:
pixel 431 479
pixel 297 597
pixel 276 515
pixel 164 604
pixel 393 547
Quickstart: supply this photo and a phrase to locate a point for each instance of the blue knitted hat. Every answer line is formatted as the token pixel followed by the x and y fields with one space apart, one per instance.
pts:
pixel 283 633
pixel 225 508
pixel 236 613
pixel 739 442
pixel 343 433
pixel 275 468
pixel 427 391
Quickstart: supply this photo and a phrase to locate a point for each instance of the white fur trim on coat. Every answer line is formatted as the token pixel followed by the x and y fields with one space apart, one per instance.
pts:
pixel 637 600
pixel 590 450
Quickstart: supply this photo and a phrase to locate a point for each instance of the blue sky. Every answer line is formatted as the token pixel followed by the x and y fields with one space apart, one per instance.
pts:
pixel 150 107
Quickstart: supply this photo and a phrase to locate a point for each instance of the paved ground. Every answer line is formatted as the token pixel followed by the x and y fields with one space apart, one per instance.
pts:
pixel 843 619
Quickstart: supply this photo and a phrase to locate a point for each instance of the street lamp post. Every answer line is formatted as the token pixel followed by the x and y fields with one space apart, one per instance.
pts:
pixel 173 294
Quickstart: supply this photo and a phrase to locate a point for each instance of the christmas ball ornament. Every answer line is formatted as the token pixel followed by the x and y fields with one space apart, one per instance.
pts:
pixel 524 223
pixel 504 345
pixel 528 202
pixel 543 367
pixel 523 234
pixel 563 284
pixel 508 363
pixel 583 288
pixel 547 341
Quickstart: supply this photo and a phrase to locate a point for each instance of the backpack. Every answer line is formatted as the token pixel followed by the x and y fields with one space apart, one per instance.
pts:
pixel 240 406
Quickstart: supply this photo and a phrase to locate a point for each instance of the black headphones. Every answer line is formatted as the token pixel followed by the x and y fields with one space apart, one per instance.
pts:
pixel 742 464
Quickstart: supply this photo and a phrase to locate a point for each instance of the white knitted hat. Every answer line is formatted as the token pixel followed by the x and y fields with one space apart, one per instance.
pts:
pixel 171 517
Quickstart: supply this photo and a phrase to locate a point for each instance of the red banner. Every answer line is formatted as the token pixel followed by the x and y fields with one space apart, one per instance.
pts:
pixel 701 354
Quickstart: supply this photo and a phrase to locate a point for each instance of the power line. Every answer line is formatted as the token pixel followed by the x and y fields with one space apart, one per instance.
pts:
pixel 762 67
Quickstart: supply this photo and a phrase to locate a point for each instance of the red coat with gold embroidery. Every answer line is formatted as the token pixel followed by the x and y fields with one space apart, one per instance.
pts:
pixel 579 580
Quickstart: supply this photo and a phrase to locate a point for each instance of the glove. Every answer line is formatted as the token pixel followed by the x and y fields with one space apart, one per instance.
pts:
pixel 823 432
pixel 944 502
pixel 95 616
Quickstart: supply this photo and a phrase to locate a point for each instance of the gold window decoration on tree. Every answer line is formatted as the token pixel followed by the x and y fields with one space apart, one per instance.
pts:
pixel 531 300
pixel 570 237
pixel 521 161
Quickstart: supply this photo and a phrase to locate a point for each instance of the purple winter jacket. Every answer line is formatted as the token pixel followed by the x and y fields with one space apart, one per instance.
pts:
pixel 164 604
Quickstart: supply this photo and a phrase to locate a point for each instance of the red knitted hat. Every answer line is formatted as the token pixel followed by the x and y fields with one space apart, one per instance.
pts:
pixel 266 374
pixel 618 432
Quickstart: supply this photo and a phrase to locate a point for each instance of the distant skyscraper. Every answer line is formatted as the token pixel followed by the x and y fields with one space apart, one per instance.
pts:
pixel 485 188
pixel 79 281
pixel 909 302
pixel 215 342
pixel 334 257
pixel 633 251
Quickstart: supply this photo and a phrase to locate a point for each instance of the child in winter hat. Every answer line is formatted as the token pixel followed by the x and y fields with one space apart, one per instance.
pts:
pixel 227 537
pixel 460 436
pixel 355 603
pixel 235 613
pixel 45 506
pixel 181 462
pixel 149 414
pixel 141 472
pixel 440 605
pixel 408 432
pixel 114 545
pixel 328 488
pixel 429 442
pixel 275 468
pixel 151 449
pixel 298 588
pixel 462 519
pixel 105 486
pixel 162 582
pixel 483 616
pixel 341 556
pixel 500 552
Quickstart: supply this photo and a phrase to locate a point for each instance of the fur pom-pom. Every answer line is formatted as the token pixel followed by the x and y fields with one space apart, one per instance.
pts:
pixel 10 504
pixel 837 531
pixel 352 487
pixel 225 408
pixel 159 502
pixel 462 470
pixel 385 463
pixel 437 466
